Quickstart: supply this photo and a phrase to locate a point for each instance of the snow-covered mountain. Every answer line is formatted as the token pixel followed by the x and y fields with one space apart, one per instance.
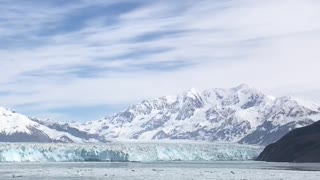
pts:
pixel 15 127
pixel 241 114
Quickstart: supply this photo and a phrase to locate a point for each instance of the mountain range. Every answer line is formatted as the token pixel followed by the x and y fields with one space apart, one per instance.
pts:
pixel 238 115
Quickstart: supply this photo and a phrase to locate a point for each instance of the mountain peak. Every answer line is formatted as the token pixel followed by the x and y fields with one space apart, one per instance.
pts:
pixel 241 114
pixel 243 87
pixel 192 93
pixel 4 110
pixel 192 90
pixel 236 114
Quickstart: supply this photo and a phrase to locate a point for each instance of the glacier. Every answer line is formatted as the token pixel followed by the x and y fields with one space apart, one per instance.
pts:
pixel 127 152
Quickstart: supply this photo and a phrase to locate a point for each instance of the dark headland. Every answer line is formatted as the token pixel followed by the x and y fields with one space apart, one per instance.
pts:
pixel 299 145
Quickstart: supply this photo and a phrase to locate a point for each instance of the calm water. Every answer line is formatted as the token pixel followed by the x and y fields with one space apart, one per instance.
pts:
pixel 160 170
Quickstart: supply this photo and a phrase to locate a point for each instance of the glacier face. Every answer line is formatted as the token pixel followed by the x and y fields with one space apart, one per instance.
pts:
pixel 124 152
pixel 241 114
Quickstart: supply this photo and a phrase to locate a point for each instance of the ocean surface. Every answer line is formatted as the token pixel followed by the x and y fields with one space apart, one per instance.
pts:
pixel 243 170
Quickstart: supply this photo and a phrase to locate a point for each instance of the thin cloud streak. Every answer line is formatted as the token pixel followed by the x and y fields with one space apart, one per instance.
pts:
pixel 155 49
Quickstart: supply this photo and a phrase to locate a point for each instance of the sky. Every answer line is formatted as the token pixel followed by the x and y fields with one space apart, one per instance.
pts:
pixel 81 60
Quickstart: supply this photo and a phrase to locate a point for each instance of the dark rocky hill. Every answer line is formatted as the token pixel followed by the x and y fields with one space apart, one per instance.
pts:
pixel 299 145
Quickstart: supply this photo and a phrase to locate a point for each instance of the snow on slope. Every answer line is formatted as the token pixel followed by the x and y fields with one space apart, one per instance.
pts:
pixel 12 122
pixel 122 152
pixel 241 114
pixel 15 127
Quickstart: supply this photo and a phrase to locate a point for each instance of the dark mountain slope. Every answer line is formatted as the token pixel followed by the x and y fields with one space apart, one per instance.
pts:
pixel 299 145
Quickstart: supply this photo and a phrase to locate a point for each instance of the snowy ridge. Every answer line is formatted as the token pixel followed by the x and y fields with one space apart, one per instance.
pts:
pixel 237 115
pixel 12 122
pixel 15 127
pixel 123 152
pixel 241 114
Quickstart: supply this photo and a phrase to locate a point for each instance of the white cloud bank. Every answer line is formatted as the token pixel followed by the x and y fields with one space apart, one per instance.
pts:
pixel 158 49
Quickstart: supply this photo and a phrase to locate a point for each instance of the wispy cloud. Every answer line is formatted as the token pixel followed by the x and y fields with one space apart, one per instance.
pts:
pixel 60 55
